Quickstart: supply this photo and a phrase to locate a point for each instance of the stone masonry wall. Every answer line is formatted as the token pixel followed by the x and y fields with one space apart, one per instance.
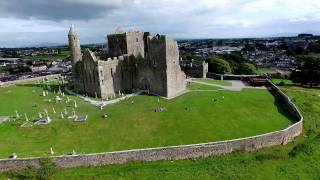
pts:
pixel 229 76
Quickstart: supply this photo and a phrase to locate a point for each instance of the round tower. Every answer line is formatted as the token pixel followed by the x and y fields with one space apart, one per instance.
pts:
pixel 74 46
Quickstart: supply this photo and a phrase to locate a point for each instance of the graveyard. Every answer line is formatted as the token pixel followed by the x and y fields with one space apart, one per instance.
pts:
pixel 44 120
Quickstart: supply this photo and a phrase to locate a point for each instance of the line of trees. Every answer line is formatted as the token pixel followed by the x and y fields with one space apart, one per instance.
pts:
pixel 232 63
pixel 307 72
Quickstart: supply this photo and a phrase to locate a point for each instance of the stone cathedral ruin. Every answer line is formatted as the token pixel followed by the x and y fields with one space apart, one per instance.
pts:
pixel 134 60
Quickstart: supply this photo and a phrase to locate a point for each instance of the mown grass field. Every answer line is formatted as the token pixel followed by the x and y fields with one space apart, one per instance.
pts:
pixel 196 86
pixel 282 82
pixel 298 160
pixel 213 81
pixel 191 118
pixel 62 55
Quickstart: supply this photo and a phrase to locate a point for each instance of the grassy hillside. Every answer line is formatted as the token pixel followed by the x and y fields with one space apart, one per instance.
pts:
pixel 298 160
pixel 194 117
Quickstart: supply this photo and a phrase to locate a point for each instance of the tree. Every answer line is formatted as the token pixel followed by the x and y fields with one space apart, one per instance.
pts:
pixel 235 60
pixel 249 47
pixel 189 56
pixel 218 65
pixel 308 72
pixel 314 47
pixel 248 69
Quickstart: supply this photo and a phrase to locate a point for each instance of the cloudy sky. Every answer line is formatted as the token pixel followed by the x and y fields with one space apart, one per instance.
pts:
pixel 31 22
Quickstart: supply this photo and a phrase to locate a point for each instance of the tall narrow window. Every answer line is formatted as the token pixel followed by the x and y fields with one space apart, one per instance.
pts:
pixel 111 72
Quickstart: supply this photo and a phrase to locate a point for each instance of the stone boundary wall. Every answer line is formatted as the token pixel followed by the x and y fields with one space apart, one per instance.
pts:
pixel 22 81
pixel 229 76
pixel 247 144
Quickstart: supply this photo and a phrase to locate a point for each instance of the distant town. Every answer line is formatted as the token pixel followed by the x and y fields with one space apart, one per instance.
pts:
pixel 272 56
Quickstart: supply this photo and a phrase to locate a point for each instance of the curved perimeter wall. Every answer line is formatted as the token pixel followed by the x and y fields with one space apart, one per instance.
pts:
pixel 254 143
pixel 229 76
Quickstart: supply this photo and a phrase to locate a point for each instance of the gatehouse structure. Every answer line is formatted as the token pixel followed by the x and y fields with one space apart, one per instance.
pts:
pixel 134 60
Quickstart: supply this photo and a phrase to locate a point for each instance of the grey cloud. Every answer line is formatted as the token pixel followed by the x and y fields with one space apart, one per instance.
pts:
pixel 55 10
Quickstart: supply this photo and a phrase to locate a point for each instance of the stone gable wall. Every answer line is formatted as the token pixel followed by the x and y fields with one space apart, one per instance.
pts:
pixel 202 150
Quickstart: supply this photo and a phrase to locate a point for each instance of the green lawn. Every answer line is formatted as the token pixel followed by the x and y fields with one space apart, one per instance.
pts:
pixel 196 86
pixel 282 82
pixel 213 81
pixel 262 70
pixel 62 55
pixel 298 160
pixel 130 126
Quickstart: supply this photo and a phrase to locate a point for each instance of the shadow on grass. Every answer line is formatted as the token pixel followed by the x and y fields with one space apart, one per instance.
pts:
pixel 283 111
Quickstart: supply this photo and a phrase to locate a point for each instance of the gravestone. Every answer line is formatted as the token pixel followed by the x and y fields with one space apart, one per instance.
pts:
pixel 17 115
pixel 51 151
pixel 75 104
pixel 3 119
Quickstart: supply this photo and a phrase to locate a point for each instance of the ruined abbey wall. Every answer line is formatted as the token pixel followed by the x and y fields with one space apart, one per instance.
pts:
pixel 116 74
pixel 153 69
pixel 135 44
pixel 137 60
pixel 117 44
pixel 175 76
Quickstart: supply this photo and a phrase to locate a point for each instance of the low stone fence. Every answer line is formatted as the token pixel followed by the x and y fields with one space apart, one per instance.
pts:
pixel 22 81
pixel 247 144
pixel 230 76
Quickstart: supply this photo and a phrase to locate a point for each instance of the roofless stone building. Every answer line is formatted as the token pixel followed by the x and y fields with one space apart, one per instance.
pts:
pixel 134 60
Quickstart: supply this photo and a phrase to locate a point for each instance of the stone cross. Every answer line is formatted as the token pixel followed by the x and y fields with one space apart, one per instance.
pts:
pixel 46 111
pixel 75 104
pixel 65 111
pixel 48 119
pixel 25 115
pixel 40 115
pixel 17 115
pixel 51 151
pixel 53 110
